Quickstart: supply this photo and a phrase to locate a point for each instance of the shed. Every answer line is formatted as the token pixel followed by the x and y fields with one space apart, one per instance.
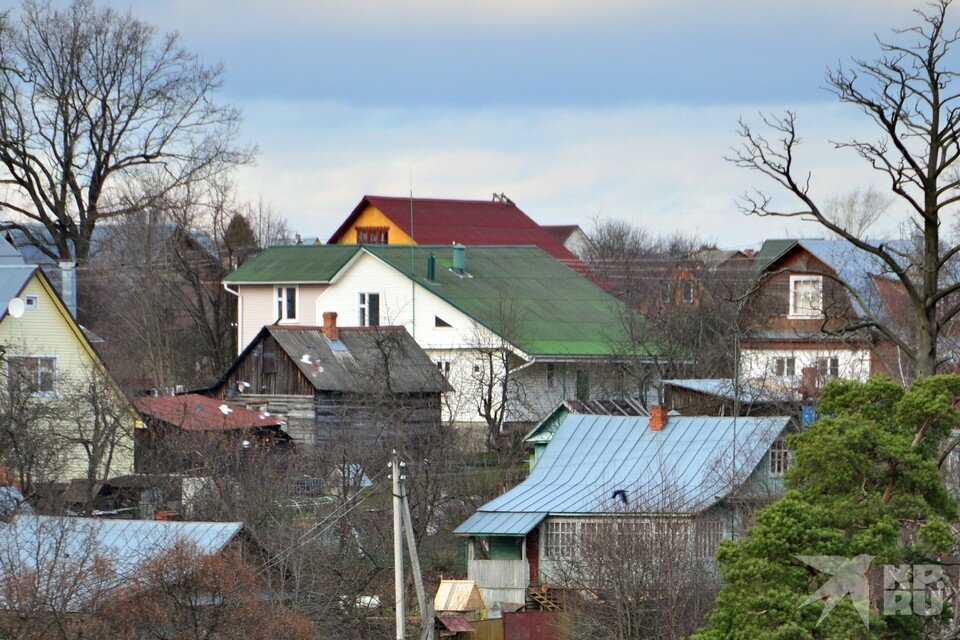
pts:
pixel 458 596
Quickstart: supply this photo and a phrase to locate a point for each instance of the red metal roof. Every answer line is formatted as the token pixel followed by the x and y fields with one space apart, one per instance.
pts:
pixel 193 412
pixel 469 222
pixel 456 624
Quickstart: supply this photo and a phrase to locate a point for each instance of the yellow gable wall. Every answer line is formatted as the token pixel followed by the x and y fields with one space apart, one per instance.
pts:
pixel 47 331
pixel 373 217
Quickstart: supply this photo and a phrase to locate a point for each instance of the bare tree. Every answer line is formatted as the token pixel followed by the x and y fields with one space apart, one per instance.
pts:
pixel 857 211
pixel 909 93
pixel 92 100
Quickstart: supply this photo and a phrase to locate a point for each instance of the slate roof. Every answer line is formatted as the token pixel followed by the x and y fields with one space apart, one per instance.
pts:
pixel 194 412
pixel 468 222
pixel 683 468
pixel 49 543
pixel 556 311
pixel 355 362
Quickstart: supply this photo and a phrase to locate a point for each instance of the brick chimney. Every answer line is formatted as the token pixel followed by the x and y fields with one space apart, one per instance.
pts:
pixel 808 381
pixel 658 417
pixel 330 328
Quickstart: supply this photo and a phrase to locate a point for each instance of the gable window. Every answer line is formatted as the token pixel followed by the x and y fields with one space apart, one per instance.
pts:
pixel 372 235
pixel 287 304
pixel 32 375
pixel 828 368
pixel 785 367
pixel 369 310
pixel 806 296
pixel 779 457
pixel 31 303
pixel 686 290
pixel 560 539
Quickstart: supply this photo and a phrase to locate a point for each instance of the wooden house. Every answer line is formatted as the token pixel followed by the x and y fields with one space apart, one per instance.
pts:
pixel 655 471
pixel 333 382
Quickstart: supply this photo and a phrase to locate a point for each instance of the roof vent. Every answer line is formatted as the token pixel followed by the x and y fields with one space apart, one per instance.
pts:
pixel 431 267
pixel 459 258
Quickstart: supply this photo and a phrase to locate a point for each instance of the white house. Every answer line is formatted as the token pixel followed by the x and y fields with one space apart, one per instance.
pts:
pixel 499 321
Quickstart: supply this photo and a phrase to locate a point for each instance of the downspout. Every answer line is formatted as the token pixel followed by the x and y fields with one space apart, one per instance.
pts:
pixel 227 288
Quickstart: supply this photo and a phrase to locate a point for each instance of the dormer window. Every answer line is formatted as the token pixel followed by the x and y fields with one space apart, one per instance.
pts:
pixel 806 296
pixel 287 304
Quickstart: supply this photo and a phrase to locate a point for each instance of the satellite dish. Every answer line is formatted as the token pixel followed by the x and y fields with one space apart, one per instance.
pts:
pixel 16 307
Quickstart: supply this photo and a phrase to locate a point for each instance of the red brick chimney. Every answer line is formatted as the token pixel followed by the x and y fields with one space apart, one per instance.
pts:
pixel 658 417
pixel 808 381
pixel 330 328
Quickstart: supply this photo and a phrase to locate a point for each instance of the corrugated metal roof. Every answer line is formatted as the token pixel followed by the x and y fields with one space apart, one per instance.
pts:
pixel 684 468
pixel 724 388
pixel 444 221
pixel 484 523
pixel 359 361
pixel 54 544
pixel 544 431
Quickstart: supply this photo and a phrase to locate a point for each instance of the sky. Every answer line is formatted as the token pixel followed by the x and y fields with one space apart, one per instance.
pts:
pixel 576 110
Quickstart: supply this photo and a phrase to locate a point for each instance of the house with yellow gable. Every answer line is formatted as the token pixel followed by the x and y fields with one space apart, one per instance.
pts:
pixel 65 418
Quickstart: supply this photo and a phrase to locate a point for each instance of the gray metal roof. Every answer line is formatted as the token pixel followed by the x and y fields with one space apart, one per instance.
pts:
pixel 501 523
pixel 684 468
pixel 56 545
pixel 723 388
pixel 362 359
pixel 8 253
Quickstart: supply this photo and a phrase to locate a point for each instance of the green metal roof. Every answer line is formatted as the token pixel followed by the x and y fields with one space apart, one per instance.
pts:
pixel 520 292
pixel 295 263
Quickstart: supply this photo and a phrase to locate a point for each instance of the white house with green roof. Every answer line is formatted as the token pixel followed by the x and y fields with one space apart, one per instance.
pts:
pixel 476 311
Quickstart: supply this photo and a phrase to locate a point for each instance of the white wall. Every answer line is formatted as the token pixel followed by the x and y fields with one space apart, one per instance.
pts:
pixel 757 364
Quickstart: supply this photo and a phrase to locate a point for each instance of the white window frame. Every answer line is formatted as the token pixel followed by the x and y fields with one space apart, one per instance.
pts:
pixel 31 303
pixel 56 373
pixel 786 366
pixel 363 308
pixel 779 457
pixel 805 315
pixel 686 291
pixel 445 366
pixel 280 298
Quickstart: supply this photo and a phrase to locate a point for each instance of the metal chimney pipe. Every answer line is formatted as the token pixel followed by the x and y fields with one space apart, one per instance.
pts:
pixel 68 279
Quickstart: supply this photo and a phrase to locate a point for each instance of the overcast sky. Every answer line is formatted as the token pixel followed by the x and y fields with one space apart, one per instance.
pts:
pixel 616 108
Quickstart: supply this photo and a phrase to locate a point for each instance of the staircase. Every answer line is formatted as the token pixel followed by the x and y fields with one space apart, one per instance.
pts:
pixel 542 599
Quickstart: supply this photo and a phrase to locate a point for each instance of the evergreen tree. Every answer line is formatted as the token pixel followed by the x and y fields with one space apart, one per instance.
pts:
pixel 865 480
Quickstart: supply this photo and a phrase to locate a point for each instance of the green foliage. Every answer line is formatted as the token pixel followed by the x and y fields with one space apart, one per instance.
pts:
pixel 864 480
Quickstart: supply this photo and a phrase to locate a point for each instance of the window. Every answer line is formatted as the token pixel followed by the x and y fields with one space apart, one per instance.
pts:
pixel 686 290
pixel 481 548
pixel 583 385
pixel 806 296
pixel 444 367
pixel 369 310
pixel 666 292
pixel 828 368
pixel 779 457
pixel 551 376
pixel 372 235
pixel 709 533
pixel 287 304
pixel 440 322
pixel 33 375
pixel 477 369
pixel 784 367
pixel 561 539
pixel 31 303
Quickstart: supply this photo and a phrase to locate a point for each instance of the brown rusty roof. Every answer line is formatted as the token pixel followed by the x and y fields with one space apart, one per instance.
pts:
pixel 194 412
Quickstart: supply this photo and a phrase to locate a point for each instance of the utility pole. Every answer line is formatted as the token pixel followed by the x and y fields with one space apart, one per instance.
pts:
pixel 426 607
pixel 401 607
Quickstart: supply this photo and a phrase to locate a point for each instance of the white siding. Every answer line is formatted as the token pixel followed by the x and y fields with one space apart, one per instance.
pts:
pixel 757 364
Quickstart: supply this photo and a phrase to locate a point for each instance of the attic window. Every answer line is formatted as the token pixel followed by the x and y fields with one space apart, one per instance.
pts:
pixel 440 322
pixel 806 296
pixel 31 303
pixel 372 235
